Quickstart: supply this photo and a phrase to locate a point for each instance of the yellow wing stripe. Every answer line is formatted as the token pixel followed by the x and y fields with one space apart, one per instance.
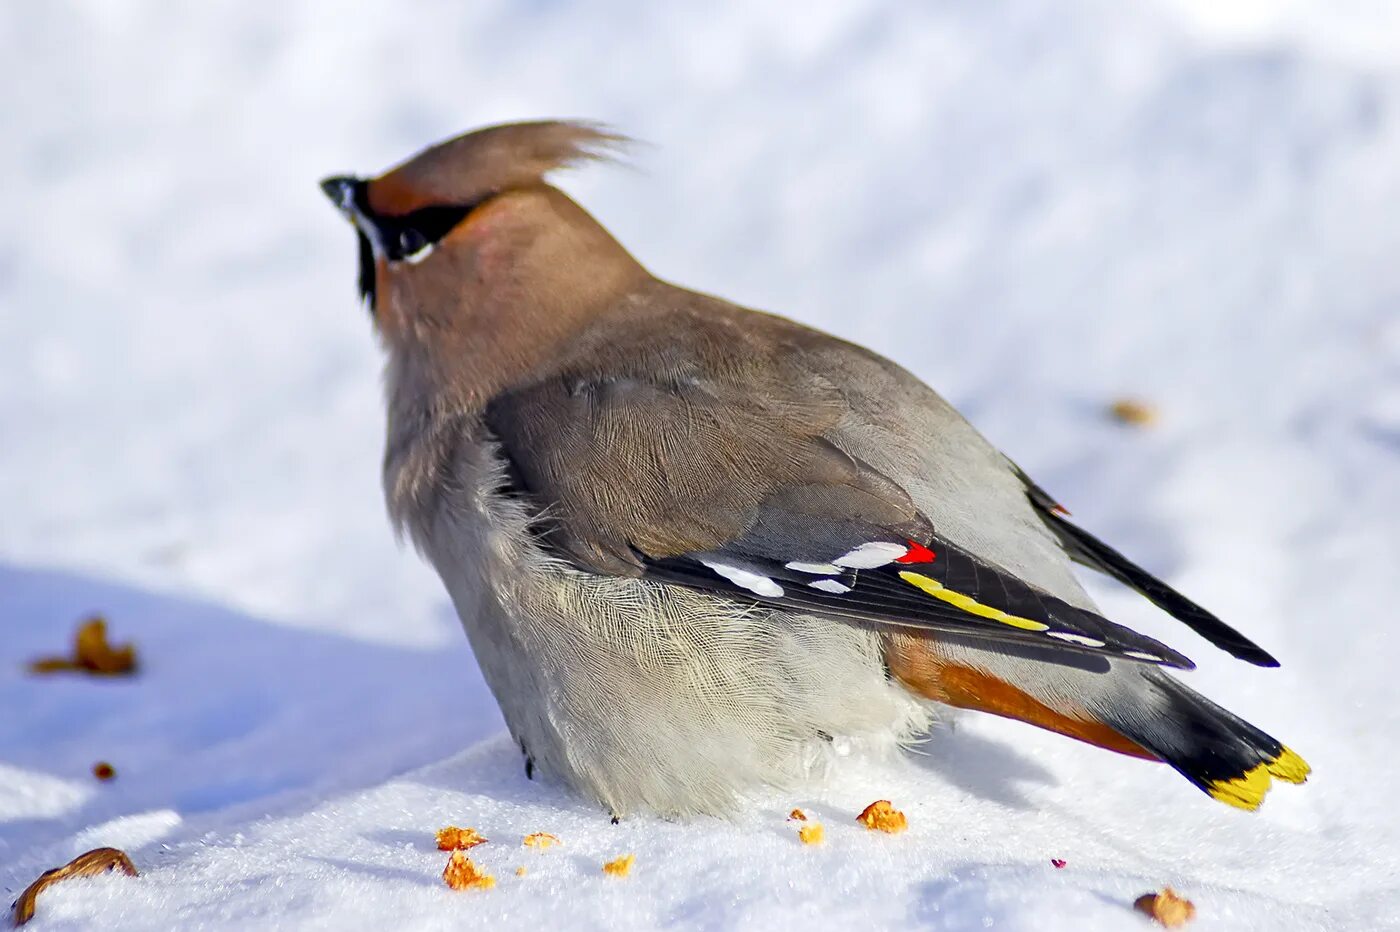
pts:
pixel 936 589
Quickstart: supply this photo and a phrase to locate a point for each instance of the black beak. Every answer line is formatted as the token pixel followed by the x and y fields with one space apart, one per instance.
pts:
pixel 341 190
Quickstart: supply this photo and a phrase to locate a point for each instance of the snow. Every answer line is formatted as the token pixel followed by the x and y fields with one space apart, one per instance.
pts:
pixel 1039 207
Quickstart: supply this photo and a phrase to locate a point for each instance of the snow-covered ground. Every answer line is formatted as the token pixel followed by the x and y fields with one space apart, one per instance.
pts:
pixel 1038 206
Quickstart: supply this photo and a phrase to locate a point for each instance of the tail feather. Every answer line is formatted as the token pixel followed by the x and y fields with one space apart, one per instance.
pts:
pixel 1132 708
pixel 1216 750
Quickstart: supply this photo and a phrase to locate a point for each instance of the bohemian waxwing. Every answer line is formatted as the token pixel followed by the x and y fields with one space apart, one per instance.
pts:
pixel 692 544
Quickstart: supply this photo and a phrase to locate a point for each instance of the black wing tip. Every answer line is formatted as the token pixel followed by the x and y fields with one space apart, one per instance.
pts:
pixel 1179 662
pixel 1254 654
pixel 1207 625
pixel 1108 560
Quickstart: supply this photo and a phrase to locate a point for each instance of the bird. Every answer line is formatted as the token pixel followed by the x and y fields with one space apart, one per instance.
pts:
pixel 694 546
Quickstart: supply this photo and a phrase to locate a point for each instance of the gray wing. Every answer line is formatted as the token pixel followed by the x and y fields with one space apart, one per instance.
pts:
pixel 743 454
pixel 983 501
pixel 967 488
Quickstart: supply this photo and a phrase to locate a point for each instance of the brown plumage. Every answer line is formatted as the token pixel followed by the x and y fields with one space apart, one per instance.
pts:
pixel 470 168
pixel 688 539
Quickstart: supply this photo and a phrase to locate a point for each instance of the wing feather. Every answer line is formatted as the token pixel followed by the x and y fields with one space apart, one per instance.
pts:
pixel 721 454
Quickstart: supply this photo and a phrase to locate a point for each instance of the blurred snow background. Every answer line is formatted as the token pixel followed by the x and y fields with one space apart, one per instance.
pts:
pixel 1036 206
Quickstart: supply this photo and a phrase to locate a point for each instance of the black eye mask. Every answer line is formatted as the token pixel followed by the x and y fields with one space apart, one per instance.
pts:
pixel 407 238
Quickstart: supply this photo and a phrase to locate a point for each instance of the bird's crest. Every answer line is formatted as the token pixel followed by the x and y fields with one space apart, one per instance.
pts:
pixel 466 169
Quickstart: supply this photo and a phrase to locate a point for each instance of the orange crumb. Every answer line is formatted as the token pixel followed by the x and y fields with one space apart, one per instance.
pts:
pixel 1167 907
pixel 797 815
pixel 461 874
pixel 882 816
pixel 453 838
pixel 540 840
pixel 812 833
pixel 620 867
pixel 103 770
pixel 91 654
pixel 1133 413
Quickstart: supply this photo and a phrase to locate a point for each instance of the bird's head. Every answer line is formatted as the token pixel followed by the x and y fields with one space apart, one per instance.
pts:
pixel 465 243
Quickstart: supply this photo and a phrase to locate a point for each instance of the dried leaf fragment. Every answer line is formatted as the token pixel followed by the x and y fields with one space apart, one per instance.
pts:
pixel 91 654
pixel 812 833
pixel 1167 907
pixel 461 873
pixel 540 840
pixel 103 770
pixel 882 816
pixel 453 838
pixel 95 862
pixel 797 815
pixel 1132 412
pixel 620 867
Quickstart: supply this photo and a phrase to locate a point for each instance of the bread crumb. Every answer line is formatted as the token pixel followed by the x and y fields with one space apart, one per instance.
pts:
pixel 540 840
pixel 812 833
pixel 462 874
pixel 797 815
pixel 620 867
pixel 91 654
pixel 97 861
pixel 1133 413
pixel 1167 907
pixel 453 838
pixel 103 770
pixel 882 816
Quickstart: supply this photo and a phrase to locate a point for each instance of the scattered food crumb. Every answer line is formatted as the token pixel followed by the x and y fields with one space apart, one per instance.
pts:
pixel 1167 907
pixel 540 840
pixel 1058 863
pixel 520 871
pixel 1133 413
pixel 453 838
pixel 91 654
pixel 882 816
pixel 812 833
pixel 97 861
pixel 103 770
pixel 797 815
pixel 620 867
pixel 462 874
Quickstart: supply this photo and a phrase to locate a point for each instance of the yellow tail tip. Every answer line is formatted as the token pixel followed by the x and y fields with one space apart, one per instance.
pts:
pixel 1245 791
pixel 1290 767
pixel 1248 789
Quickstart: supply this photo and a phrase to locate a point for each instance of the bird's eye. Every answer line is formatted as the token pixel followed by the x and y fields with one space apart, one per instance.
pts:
pixel 411 243
pixel 412 238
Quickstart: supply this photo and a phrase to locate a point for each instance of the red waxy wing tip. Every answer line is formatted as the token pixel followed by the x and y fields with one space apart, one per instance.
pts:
pixel 917 553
